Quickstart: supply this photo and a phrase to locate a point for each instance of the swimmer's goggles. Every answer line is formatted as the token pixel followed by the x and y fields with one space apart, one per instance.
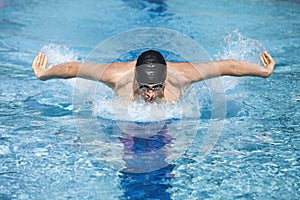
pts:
pixel 158 88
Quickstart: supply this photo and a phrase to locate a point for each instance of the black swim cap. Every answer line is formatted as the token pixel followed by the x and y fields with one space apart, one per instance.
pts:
pixel 151 68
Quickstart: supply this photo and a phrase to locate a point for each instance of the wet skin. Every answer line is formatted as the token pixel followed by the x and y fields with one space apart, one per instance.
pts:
pixel 151 92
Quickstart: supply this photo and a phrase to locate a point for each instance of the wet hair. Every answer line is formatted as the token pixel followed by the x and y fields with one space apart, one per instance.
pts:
pixel 151 68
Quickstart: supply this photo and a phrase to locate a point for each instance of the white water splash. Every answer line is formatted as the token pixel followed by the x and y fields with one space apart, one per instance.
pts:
pixel 59 54
pixel 239 47
pixel 118 109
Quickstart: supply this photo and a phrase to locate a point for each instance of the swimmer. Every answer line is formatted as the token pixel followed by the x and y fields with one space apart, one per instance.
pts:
pixel 150 76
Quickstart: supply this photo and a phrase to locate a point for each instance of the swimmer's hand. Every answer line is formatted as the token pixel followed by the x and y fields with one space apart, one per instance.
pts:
pixel 39 66
pixel 268 62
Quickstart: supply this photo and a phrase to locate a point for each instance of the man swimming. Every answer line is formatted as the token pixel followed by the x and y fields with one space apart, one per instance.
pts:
pixel 150 76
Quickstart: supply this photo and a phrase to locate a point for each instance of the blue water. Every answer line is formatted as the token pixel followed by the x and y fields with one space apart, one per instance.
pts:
pixel 54 147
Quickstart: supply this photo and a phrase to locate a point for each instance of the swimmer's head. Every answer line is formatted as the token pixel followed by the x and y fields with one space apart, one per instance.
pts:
pixel 150 74
pixel 151 68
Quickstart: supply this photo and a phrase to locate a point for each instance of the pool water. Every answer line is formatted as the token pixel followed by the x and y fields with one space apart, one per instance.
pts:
pixel 51 149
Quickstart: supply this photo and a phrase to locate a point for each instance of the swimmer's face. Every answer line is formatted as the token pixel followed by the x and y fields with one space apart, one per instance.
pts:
pixel 150 92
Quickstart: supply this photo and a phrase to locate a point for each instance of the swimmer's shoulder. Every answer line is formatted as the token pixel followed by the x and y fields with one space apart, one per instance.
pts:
pixel 120 69
pixel 123 72
pixel 180 67
pixel 122 66
pixel 116 71
pixel 177 72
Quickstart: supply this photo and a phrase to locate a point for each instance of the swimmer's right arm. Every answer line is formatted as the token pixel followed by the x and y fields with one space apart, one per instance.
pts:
pixel 41 72
pixel 92 71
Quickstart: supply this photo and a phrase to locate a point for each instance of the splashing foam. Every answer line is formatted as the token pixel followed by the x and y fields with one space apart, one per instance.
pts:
pixel 58 53
pixel 239 47
pixel 117 109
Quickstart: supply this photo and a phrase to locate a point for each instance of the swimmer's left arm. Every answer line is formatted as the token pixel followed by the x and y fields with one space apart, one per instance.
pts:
pixel 242 68
pixel 194 72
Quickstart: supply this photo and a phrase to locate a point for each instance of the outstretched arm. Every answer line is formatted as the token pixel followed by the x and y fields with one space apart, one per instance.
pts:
pixel 242 68
pixel 107 73
pixel 66 70
pixel 200 71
